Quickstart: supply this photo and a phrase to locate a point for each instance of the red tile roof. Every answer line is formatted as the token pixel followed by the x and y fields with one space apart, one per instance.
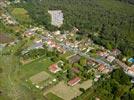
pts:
pixel 101 67
pixel 54 68
pixel 131 69
pixel 74 81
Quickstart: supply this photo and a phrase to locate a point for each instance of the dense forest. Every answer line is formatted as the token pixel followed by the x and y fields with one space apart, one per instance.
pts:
pixel 112 20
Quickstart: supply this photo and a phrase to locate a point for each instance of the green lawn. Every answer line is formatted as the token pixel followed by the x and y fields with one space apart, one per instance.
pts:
pixel 51 96
pixel 21 15
pixel 35 67
pixel 11 85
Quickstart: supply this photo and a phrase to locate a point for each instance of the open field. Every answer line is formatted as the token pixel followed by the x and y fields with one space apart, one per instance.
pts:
pixel 21 14
pixel 51 96
pixel 11 85
pixel 64 91
pixel 35 67
pixel 42 76
pixel 85 85
pixel 5 39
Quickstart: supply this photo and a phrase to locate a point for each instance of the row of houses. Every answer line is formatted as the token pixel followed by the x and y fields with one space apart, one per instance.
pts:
pixel 53 44
pixel 104 69
pixel 7 19
pixel 110 56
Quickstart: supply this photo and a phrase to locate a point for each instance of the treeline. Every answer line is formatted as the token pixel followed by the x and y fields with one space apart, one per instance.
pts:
pixel 111 19
pixel 128 1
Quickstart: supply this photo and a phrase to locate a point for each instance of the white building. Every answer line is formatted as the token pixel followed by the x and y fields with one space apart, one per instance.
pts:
pixel 56 17
pixel 110 58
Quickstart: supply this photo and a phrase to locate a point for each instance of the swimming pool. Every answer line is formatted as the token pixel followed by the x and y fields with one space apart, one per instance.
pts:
pixel 131 60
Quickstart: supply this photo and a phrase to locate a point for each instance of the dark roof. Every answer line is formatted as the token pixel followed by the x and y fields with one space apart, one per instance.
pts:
pixel 74 58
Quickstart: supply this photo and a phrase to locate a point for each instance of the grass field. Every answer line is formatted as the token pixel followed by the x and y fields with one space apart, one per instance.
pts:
pixel 85 85
pixel 51 96
pixel 12 80
pixel 21 15
pixel 36 66
pixel 38 78
pixel 11 86
pixel 64 91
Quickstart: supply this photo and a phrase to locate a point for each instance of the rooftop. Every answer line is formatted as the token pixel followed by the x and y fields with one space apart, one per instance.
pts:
pixel 54 68
pixel 57 17
pixel 74 81
pixel 74 58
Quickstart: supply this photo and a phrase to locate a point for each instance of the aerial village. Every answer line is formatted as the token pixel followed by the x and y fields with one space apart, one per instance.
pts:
pixel 76 64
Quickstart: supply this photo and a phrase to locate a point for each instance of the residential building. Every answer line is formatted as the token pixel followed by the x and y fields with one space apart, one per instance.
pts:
pixel 102 68
pixel 74 81
pixel 75 69
pixel 110 58
pixel 54 68
pixel 102 53
pixel 74 59
pixel 116 52
pixel 56 17
pixel 29 33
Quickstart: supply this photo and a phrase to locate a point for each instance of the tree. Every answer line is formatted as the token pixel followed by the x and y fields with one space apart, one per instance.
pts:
pixel 82 90
pixel 83 61
pixel 121 77
pixel 69 74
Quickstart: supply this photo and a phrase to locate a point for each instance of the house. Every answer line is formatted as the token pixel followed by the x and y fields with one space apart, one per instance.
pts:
pixel 51 43
pixel 97 98
pixel 96 79
pixel 74 58
pixel 38 40
pixel 61 50
pixel 132 81
pixel 37 45
pixel 102 68
pixel 54 68
pixel 116 52
pixel 102 53
pixel 74 81
pixel 91 62
pixel 110 58
pixel 57 32
pixel 130 71
pixel 75 69
pixel 29 33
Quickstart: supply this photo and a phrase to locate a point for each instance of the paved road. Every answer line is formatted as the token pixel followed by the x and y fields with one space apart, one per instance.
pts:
pixel 77 51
